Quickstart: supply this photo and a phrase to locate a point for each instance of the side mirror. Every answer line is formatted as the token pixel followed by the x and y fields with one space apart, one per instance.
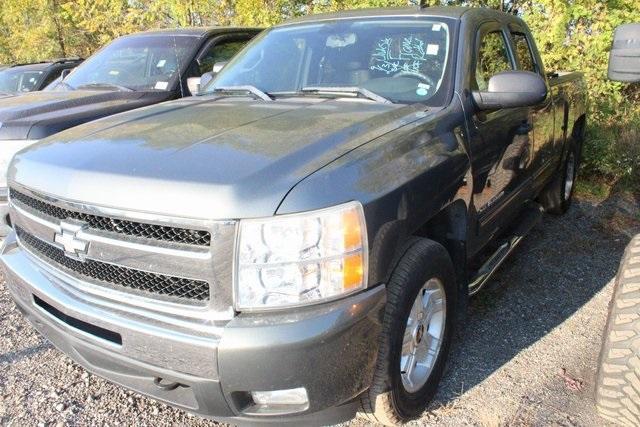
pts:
pixel 65 73
pixel 193 84
pixel 511 89
pixel 218 66
pixel 624 59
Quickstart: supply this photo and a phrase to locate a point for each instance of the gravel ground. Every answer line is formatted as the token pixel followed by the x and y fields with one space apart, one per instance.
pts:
pixel 542 315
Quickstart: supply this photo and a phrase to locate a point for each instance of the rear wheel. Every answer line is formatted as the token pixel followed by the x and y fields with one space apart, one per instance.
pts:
pixel 556 198
pixel 416 336
pixel 618 381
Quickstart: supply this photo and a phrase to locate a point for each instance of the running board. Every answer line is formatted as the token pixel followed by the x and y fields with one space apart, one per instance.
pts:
pixel 531 215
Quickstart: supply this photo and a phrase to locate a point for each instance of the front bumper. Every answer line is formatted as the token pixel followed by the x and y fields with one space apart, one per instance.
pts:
pixel 327 349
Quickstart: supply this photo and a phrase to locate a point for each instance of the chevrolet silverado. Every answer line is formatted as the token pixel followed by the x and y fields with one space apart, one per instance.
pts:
pixel 297 244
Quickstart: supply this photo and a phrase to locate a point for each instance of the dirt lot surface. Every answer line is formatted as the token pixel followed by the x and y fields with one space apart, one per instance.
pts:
pixel 528 356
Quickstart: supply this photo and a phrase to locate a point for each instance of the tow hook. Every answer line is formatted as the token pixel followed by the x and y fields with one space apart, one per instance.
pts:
pixel 159 382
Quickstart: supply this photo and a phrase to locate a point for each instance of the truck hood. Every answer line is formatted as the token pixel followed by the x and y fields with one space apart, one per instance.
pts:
pixel 36 115
pixel 203 157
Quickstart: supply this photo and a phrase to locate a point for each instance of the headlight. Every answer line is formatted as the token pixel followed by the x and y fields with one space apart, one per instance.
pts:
pixel 301 259
pixel 7 151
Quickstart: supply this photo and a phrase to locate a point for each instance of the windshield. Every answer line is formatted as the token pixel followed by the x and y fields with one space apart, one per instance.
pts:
pixel 404 61
pixel 19 80
pixel 144 62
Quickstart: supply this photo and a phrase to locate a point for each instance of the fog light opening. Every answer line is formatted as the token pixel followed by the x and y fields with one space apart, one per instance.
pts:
pixel 278 402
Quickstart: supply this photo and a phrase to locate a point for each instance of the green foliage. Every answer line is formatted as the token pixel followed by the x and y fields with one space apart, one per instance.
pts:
pixel 577 35
pixel 614 151
pixel 571 35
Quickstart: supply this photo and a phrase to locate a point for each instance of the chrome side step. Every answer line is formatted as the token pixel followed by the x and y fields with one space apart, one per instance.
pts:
pixel 528 219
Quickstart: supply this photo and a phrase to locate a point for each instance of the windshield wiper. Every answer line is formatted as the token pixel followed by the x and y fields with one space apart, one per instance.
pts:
pixel 339 90
pixel 244 89
pixel 106 85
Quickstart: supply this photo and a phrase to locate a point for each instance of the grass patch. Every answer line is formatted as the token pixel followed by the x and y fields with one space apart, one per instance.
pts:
pixel 611 156
pixel 591 188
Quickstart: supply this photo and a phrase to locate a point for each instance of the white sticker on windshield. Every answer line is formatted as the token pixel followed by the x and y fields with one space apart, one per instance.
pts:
pixel 432 49
pixel 114 72
pixel 161 63
pixel 162 85
pixel 423 89
pixel 436 27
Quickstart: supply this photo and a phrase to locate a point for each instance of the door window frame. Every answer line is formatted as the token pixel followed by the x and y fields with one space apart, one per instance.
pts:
pixel 484 29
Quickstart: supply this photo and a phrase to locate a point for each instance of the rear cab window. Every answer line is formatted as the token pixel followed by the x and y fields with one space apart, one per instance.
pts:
pixel 526 61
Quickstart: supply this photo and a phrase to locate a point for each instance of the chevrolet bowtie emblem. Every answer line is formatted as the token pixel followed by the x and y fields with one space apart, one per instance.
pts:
pixel 67 236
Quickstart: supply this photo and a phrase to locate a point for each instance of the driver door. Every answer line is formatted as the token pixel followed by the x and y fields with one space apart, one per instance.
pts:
pixel 501 145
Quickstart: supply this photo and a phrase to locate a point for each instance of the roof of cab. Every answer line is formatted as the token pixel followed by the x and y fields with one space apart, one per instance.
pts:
pixel 196 31
pixel 445 12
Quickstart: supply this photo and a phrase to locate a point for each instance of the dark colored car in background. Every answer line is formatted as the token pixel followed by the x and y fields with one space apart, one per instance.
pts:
pixel 131 72
pixel 32 77
pixel 298 242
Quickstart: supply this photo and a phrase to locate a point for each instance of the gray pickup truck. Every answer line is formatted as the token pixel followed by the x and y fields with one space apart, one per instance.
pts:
pixel 298 243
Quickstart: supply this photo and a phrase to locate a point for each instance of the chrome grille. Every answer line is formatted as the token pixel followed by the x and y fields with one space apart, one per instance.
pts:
pixel 115 225
pixel 149 283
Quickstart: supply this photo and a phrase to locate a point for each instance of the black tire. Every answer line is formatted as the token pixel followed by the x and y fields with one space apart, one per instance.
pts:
pixel 387 401
pixel 554 198
pixel 618 381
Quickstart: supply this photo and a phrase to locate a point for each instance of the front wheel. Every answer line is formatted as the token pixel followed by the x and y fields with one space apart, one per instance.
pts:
pixel 416 336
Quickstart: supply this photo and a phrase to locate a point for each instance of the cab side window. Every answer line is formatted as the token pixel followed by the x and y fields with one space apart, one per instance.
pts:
pixel 523 52
pixel 51 77
pixel 493 57
pixel 219 52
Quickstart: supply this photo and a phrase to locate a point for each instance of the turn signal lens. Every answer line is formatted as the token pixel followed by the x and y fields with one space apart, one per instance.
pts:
pixel 353 271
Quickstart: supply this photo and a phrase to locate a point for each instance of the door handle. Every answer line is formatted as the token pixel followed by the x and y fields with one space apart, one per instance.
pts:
pixel 524 128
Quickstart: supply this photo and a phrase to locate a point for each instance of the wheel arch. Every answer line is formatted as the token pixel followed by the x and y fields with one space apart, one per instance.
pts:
pixel 579 128
pixel 450 228
pixel 575 136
